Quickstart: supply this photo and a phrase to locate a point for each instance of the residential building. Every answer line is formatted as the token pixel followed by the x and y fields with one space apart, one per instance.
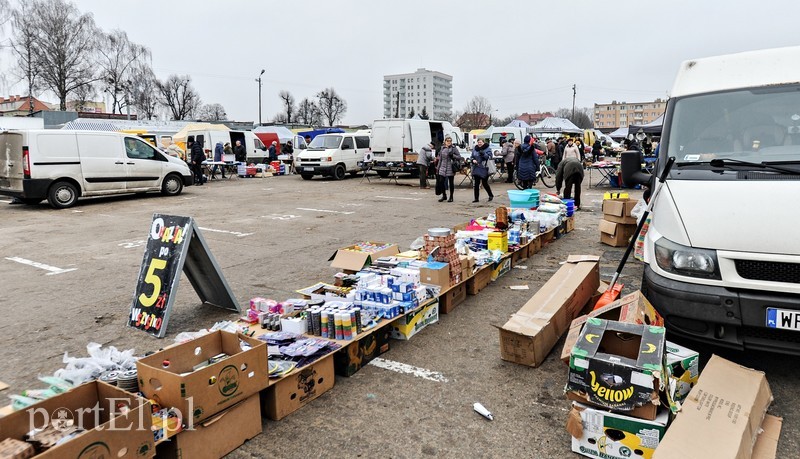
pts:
pixel 470 121
pixel 20 105
pixel 533 118
pixel 87 106
pixel 623 114
pixel 424 89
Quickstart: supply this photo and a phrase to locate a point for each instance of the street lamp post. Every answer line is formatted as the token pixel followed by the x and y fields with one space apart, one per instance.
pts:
pixel 259 95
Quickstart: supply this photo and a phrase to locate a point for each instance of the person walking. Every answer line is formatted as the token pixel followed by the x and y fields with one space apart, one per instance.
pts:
pixel 239 152
pixel 273 151
pixel 423 162
pixel 571 150
pixel 507 153
pixel 526 163
pixel 218 152
pixel 445 172
pixel 197 158
pixel 481 155
pixel 570 173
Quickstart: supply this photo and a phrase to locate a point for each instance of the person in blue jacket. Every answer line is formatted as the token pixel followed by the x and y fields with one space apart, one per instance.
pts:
pixel 218 152
pixel 481 155
pixel 527 163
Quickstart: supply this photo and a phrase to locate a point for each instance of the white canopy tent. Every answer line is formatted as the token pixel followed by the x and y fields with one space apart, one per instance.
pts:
pixel 554 125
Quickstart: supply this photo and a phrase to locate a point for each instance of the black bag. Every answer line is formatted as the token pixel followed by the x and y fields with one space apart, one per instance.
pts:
pixel 458 162
pixel 439 185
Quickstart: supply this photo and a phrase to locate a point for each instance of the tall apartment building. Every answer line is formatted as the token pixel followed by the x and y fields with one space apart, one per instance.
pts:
pixel 622 114
pixel 424 88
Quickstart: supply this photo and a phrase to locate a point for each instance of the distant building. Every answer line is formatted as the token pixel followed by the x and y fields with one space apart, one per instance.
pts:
pixel 20 105
pixel 622 114
pixel 533 118
pixel 86 106
pixel 423 89
pixel 470 121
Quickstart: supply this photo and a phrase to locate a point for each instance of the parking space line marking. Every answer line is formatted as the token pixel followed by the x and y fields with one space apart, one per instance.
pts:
pixel 235 233
pixel 408 369
pixel 35 264
pixel 326 211
pixel 7 202
pixel 398 197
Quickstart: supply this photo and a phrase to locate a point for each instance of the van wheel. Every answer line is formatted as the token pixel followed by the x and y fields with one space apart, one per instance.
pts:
pixel 339 172
pixel 62 195
pixel 306 176
pixel 383 174
pixel 172 185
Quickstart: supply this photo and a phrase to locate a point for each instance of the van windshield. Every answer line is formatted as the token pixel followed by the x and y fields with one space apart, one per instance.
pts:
pixel 496 137
pixel 759 125
pixel 325 142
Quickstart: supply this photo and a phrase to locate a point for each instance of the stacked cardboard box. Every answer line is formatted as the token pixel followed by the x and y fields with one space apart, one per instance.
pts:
pixel 446 254
pixel 618 225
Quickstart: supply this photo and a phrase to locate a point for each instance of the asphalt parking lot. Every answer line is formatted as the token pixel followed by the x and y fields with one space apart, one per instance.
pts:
pixel 274 235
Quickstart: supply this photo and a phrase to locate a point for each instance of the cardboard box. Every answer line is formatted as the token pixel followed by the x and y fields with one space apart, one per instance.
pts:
pixel 531 333
pixel 647 412
pixel 298 389
pixel 200 394
pixel 502 267
pixel 619 210
pixel 409 325
pixel 618 365
pixel 682 367
pixel 97 407
pixel 632 308
pixel 615 234
pixel 452 297
pixel 600 433
pixel 353 259
pixel 479 281
pixel 722 415
pixel 348 360
pixel 570 224
pixel 766 446
pixel 498 240
pixel 218 436
pixel 435 273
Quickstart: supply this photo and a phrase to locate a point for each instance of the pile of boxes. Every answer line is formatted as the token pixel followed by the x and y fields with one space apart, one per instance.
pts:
pixel 618 225
pixel 447 254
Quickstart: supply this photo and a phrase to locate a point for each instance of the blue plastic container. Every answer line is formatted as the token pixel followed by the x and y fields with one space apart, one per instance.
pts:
pixel 523 198
pixel 570 203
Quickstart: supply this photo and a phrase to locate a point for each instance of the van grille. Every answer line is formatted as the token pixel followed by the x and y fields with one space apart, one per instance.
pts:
pixel 770 271
pixel 770 334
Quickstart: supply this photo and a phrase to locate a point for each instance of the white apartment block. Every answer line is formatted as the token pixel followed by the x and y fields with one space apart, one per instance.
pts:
pixel 424 88
pixel 622 114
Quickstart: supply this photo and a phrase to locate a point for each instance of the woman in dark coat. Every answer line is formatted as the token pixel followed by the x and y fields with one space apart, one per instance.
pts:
pixel 480 171
pixel 527 159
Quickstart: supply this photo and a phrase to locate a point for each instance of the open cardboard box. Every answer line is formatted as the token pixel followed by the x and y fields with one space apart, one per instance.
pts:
pixel 619 210
pixel 531 332
pixel 722 416
pixel 615 234
pixel 352 259
pixel 619 366
pixel 117 423
pixel 168 377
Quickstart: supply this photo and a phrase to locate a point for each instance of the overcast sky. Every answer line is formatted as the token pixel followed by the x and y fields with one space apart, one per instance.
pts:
pixel 521 55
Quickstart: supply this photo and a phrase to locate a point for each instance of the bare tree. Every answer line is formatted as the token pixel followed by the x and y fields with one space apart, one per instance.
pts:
pixel 118 57
pixel 212 112
pixel 179 96
pixel 144 90
pixel 308 112
pixel 82 95
pixel 66 46
pixel 287 99
pixel 508 119
pixel 478 105
pixel 446 116
pixel 582 118
pixel 24 44
pixel 331 106
pixel 279 118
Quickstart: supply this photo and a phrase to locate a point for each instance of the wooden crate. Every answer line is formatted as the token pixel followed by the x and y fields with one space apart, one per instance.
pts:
pixel 479 280
pixel 547 237
pixel 535 246
pixel 451 298
pixel 520 255
pixel 570 224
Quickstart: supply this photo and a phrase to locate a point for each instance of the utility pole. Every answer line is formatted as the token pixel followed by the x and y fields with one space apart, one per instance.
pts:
pixel 259 95
pixel 573 102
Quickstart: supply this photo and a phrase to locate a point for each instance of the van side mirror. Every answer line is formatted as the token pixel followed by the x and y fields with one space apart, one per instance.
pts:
pixel 264 148
pixel 631 168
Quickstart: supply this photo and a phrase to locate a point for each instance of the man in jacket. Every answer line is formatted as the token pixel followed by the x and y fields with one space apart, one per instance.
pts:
pixel 218 158
pixel 197 158
pixel 239 152
pixel 423 163
pixel 570 173
pixel 273 151
pixel 507 152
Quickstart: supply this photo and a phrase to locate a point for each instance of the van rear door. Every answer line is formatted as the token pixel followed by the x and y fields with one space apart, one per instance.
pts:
pixel 102 163
pixel 11 165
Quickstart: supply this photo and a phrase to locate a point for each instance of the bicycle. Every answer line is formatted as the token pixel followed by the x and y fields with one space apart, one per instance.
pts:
pixel 546 173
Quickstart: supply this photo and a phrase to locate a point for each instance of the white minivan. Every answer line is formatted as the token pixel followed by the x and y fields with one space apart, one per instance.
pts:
pixel 397 142
pixel 723 245
pixel 63 165
pixel 332 155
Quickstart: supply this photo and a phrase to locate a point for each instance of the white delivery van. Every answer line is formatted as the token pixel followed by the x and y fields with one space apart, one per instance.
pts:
pixel 723 246
pixel 256 150
pixel 63 165
pixel 396 142
pixel 332 155
pixel 511 133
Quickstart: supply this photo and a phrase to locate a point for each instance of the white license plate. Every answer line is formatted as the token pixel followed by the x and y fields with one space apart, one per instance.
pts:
pixel 308 169
pixel 785 319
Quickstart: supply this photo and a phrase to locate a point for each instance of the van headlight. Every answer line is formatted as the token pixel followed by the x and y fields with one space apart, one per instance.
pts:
pixel 686 261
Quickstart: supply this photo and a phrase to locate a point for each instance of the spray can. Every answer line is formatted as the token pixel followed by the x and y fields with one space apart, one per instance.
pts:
pixel 316 321
pixel 357 319
pixel 338 321
pixel 347 331
pixel 324 324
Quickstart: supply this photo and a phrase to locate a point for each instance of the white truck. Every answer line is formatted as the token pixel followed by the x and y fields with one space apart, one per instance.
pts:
pixel 395 143
pixel 722 250
pixel 256 150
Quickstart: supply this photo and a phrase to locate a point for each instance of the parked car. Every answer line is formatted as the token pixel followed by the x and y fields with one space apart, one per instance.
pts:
pixel 62 166
pixel 332 155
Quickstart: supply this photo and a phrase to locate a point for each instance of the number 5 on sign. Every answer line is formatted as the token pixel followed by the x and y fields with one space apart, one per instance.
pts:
pixel 156 264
